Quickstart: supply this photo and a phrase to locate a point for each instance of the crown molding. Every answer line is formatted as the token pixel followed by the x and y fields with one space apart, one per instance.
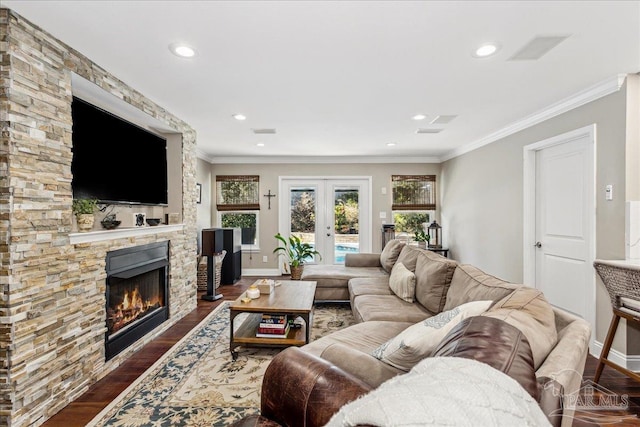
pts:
pixel 599 90
pixel 314 159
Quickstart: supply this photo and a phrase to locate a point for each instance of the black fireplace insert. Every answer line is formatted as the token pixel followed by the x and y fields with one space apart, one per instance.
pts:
pixel 137 294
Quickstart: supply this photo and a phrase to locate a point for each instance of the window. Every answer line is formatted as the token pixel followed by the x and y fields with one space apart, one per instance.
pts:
pixel 238 204
pixel 408 222
pixel 413 192
pixel 413 204
pixel 246 220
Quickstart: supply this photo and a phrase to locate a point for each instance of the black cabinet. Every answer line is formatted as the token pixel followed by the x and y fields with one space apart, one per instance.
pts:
pixel 229 239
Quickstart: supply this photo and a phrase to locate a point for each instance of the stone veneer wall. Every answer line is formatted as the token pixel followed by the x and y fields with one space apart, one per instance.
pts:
pixel 52 306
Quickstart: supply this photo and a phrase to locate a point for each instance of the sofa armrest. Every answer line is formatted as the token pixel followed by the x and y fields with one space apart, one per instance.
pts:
pixel 300 389
pixel 550 401
pixel 362 260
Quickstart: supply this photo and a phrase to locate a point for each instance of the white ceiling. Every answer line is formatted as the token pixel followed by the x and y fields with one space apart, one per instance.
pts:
pixel 344 78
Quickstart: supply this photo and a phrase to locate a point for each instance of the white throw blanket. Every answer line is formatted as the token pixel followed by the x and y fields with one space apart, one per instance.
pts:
pixel 445 391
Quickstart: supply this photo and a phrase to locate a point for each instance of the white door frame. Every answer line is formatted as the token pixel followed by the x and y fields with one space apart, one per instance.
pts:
pixel 529 211
pixel 366 234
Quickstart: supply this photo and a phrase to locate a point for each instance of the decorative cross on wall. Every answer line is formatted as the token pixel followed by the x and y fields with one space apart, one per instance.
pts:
pixel 269 196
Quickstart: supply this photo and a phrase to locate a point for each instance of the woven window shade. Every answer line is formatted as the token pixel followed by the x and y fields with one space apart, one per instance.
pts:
pixel 413 192
pixel 238 192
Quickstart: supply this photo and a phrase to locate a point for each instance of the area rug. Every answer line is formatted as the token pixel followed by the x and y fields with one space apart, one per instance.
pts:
pixel 197 383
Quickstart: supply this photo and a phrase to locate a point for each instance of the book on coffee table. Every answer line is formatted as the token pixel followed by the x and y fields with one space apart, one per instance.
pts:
pixel 273 332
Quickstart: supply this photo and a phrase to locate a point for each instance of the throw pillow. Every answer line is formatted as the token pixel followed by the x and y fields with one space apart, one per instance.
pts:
pixel 390 254
pixel 402 282
pixel 445 391
pixel 409 256
pixel 472 284
pixel 528 310
pixel 418 341
pixel 433 277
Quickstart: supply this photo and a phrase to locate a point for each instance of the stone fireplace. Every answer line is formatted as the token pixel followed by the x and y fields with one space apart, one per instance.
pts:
pixel 53 280
pixel 136 294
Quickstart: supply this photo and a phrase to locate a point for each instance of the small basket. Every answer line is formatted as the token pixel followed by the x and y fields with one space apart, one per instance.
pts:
pixel 203 273
pixel 621 281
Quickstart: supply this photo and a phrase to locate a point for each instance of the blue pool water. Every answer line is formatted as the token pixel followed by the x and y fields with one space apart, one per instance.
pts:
pixel 342 249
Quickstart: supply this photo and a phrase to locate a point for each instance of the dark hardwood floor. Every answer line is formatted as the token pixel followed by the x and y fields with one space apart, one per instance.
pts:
pixel 88 405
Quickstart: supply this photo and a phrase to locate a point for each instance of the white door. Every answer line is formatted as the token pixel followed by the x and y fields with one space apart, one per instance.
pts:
pixel 333 215
pixel 563 240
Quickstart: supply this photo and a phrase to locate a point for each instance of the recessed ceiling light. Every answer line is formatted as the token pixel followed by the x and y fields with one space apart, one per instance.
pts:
pixel 182 50
pixel 419 117
pixel 260 144
pixel 239 117
pixel 487 49
pixel 391 144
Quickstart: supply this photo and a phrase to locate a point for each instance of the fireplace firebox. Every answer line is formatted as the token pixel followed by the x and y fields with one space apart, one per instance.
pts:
pixel 136 294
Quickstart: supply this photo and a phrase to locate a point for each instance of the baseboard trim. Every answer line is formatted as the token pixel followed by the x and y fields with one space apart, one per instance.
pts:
pixel 631 362
pixel 261 272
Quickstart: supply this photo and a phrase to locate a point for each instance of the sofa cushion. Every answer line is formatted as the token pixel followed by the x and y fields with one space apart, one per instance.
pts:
pixel 368 286
pixel 402 282
pixel 387 307
pixel 332 276
pixel 418 341
pixel 472 284
pixel 390 254
pixel 409 256
pixel 528 310
pixel 433 277
pixel 363 337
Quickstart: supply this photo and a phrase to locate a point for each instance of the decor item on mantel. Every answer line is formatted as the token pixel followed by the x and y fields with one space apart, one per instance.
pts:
pixel 110 222
pixel 297 253
pixel 83 210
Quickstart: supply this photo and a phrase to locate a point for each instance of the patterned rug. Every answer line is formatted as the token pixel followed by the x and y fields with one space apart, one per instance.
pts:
pixel 197 383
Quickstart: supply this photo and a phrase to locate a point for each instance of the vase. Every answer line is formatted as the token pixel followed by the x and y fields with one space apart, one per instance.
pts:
pixel 85 222
pixel 296 272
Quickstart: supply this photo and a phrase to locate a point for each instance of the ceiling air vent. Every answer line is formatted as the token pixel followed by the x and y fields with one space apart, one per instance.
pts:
pixel 537 47
pixel 263 131
pixel 443 119
pixel 427 130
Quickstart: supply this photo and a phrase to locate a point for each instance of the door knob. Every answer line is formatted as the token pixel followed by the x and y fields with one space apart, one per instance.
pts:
pixel 538 245
pixel 328 234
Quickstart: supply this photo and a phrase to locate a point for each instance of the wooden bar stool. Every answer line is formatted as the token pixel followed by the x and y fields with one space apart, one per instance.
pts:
pixel 622 281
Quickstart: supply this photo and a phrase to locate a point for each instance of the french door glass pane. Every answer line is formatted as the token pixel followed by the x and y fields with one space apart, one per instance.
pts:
pixel 303 215
pixel 346 230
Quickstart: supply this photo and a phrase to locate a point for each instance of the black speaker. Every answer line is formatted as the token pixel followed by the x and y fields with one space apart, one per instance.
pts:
pixel 212 241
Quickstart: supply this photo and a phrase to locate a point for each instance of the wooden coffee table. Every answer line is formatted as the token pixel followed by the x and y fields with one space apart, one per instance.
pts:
pixel 293 297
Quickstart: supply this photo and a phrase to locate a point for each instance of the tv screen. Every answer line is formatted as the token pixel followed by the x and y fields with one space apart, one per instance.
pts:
pixel 115 161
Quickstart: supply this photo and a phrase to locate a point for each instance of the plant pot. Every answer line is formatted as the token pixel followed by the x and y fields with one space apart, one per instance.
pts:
pixel 296 272
pixel 85 222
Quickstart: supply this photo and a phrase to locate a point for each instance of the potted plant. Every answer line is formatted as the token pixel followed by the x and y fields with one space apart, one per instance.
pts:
pixel 297 253
pixel 422 238
pixel 83 210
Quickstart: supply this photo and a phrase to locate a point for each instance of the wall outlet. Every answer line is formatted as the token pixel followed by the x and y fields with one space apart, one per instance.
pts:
pixel 264 258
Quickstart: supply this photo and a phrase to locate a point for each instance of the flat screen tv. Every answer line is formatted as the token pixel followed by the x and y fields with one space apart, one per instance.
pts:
pixel 115 161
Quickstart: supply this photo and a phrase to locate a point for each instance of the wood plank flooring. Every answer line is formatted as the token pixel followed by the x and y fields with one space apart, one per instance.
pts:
pixel 88 405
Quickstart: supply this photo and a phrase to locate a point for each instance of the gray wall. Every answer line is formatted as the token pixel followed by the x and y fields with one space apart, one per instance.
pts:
pixel 482 201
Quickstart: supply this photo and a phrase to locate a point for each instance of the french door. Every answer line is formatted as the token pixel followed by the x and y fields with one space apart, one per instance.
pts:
pixel 332 214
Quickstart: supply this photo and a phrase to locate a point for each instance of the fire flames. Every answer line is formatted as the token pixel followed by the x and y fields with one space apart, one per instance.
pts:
pixel 132 307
